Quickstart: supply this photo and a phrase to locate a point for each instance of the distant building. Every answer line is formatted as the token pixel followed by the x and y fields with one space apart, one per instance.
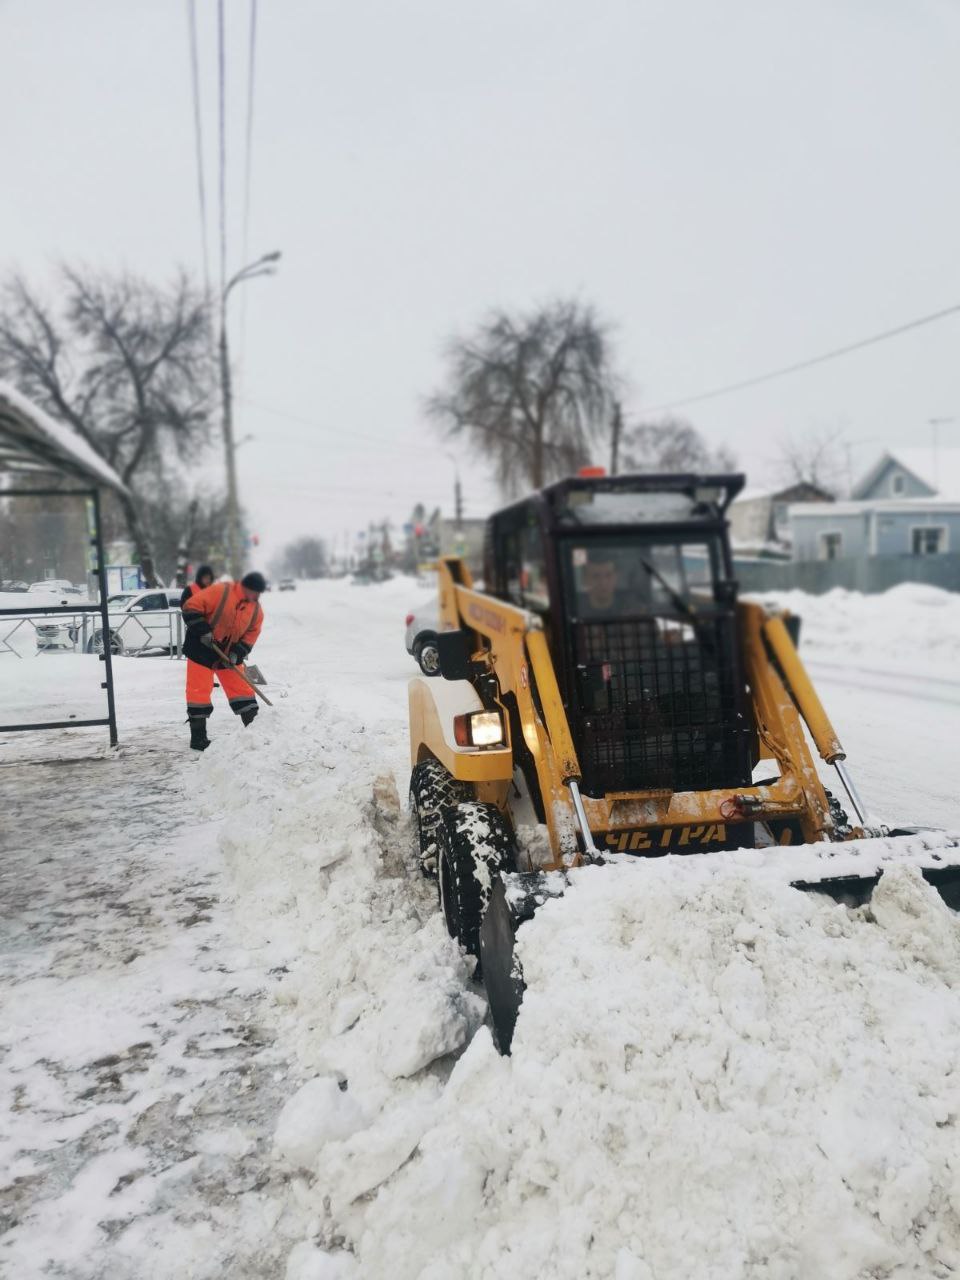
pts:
pixel 908 504
pixel 913 473
pixel 465 539
pixel 438 535
pixel 759 518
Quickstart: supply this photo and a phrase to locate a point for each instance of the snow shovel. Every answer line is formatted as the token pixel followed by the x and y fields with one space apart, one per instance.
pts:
pixel 239 670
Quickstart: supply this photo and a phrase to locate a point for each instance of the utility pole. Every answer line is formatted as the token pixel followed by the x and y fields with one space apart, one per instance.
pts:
pixel 616 430
pixel 936 424
pixel 458 501
pixel 262 267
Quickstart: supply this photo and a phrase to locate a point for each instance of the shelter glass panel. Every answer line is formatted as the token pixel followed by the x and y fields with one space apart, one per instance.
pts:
pixel 49 668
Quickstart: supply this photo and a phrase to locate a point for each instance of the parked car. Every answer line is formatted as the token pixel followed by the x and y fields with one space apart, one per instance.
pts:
pixel 421 638
pixel 59 587
pixel 138 620
pixel 12 584
pixel 288 584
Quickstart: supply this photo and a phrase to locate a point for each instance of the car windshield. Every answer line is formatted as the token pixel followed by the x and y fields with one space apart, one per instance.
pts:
pixel 627 575
pixel 122 598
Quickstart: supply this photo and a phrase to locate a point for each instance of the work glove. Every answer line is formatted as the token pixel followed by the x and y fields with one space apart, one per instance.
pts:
pixel 238 654
pixel 208 639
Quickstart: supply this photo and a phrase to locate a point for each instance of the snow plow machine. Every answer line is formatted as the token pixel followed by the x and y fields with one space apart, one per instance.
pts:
pixel 606 695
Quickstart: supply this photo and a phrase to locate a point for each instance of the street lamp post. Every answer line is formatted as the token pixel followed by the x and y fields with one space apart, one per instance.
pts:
pixel 262 267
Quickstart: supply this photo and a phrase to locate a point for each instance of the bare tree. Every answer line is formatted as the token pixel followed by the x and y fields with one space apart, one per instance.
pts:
pixel 186 528
pixel 126 364
pixel 815 458
pixel 304 558
pixel 672 445
pixel 530 392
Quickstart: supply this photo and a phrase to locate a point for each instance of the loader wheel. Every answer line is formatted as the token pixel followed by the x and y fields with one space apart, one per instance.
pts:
pixel 432 791
pixel 476 843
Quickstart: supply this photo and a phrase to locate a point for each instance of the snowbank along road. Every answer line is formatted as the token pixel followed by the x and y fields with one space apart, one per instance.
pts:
pixel 237 1041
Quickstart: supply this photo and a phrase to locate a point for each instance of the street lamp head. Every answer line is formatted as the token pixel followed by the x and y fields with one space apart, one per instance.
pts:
pixel 272 257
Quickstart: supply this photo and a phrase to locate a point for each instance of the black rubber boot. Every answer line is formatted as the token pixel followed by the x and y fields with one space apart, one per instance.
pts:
pixel 198 733
pixel 249 715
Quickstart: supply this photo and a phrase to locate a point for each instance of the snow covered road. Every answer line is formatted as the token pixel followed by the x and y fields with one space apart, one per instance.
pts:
pixel 236 1040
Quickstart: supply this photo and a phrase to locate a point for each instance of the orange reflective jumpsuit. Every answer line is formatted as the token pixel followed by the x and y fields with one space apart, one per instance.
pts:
pixel 235 624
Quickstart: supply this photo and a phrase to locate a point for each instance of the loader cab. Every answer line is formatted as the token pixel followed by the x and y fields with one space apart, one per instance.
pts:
pixel 632 579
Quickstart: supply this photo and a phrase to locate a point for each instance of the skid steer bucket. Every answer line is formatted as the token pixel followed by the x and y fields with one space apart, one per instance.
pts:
pixel 516 896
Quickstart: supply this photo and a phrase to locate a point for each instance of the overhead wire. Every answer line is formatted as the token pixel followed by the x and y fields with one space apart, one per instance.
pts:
pixel 248 145
pixel 786 370
pixel 382 441
pixel 247 170
pixel 222 150
pixel 198 140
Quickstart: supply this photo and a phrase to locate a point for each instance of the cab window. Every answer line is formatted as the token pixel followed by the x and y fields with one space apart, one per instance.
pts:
pixel 533 569
pixel 513 567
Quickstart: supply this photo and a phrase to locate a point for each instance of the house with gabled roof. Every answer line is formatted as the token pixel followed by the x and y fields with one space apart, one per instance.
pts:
pixel 759 518
pixel 907 504
pixel 912 473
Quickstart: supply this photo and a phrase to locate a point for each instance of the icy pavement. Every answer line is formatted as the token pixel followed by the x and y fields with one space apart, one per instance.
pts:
pixel 140 1079
pixel 236 1040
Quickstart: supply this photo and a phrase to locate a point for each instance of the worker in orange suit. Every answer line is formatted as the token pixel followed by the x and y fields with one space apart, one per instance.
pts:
pixel 228 615
pixel 204 579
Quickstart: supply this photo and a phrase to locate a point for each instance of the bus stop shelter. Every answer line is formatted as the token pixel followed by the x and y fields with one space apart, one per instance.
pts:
pixel 41 458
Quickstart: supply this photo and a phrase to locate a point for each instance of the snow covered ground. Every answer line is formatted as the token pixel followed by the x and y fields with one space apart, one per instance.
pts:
pixel 237 1041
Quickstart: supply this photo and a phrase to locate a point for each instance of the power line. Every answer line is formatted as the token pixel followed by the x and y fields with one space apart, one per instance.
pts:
pixel 251 64
pixel 221 85
pixel 247 168
pixel 407 494
pixel 198 140
pixel 802 364
pixel 382 441
pixel 319 426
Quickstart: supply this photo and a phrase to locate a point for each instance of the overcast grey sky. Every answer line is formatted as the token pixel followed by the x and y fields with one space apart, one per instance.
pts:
pixel 734 185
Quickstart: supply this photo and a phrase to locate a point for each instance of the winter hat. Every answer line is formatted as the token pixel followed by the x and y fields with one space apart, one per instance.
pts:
pixel 254 582
pixel 204 569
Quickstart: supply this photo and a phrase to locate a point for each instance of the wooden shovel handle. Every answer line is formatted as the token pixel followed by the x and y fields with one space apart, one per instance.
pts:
pixel 233 667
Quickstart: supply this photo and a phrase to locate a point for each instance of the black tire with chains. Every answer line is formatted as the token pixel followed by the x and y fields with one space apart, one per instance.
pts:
pixel 432 791
pixel 476 843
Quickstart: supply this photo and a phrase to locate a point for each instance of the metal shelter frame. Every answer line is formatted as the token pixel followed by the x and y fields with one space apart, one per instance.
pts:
pixel 33 445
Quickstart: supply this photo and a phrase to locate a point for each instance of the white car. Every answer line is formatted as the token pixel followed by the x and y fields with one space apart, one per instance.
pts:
pixel 138 620
pixel 55 587
pixel 421 638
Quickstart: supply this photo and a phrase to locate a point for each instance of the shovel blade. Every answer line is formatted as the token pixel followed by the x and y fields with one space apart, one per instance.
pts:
pixel 855 891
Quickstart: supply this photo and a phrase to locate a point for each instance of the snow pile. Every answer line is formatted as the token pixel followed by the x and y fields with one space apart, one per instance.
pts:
pixel 911 625
pixel 713 1075
pixel 320 1112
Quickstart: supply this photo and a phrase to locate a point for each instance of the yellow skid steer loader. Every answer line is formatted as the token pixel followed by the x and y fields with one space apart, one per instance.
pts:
pixel 608 695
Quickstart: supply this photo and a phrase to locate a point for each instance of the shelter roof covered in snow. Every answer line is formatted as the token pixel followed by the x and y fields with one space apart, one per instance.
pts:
pixel 31 442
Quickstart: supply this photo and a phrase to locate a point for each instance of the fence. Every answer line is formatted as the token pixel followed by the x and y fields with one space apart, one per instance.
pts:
pixel 871 575
pixel 79 629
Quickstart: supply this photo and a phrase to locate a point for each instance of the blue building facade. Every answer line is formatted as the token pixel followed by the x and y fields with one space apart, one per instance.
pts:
pixel 908 504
